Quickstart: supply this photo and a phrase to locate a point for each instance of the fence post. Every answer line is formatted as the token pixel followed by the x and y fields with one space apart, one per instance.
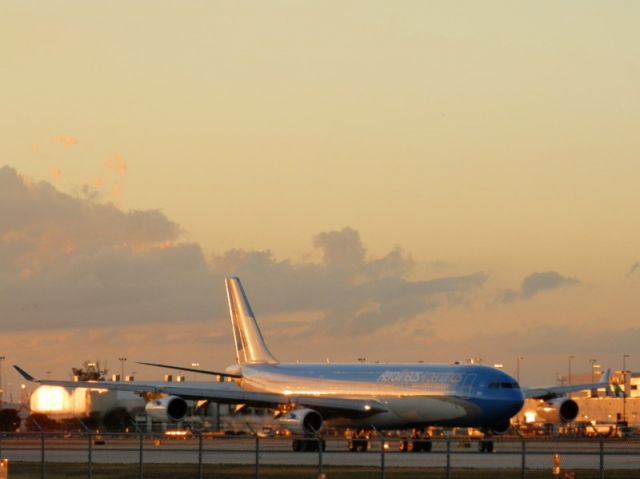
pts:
pixel 320 471
pixel 383 472
pixel 200 465
pixel 257 457
pixel 448 457
pixel 601 458
pixel 90 456
pixel 141 449
pixel 89 449
pixel 523 474
pixel 42 455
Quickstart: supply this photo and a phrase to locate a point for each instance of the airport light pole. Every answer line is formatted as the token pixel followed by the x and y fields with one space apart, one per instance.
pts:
pixel 122 361
pixel 2 358
pixel 569 375
pixel 593 365
pixel 518 359
pixel 624 391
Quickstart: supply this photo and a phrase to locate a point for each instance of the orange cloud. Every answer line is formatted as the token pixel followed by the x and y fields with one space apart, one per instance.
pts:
pixel 55 173
pixel 28 182
pixel 66 140
pixel 25 273
pixel 116 191
pixel 70 247
pixel 118 164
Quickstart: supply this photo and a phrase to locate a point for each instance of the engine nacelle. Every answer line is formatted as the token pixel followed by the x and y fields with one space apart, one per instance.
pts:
pixel 302 421
pixel 558 410
pixel 169 408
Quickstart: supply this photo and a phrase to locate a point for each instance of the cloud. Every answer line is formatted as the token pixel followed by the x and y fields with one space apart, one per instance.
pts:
pixel 43 227
pixel 116 192
pixel 353 292
pixel 55 173
pixel 118 164
pixel 69 261
pixel 544 338
pixel 42 218
pixel 88 192
pixel 535 284
pixel 66 140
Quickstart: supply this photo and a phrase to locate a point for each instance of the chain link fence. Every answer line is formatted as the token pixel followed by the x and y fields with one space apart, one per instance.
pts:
pixel 199 449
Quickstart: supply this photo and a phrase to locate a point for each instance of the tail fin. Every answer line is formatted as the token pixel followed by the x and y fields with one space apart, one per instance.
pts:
pixel 250 346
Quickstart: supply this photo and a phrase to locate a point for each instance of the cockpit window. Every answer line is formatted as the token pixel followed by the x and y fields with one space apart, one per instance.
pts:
pixel 504 385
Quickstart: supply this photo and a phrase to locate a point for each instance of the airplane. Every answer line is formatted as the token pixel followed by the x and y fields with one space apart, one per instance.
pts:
pixel 364 397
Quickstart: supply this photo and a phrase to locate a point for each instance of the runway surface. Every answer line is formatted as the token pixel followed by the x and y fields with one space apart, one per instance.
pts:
pixel 582 454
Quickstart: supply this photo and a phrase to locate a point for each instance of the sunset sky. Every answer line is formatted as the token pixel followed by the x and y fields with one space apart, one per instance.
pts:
pixel 399 181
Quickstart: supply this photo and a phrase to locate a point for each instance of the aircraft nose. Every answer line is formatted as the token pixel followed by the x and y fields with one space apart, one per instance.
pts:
pixel 516 403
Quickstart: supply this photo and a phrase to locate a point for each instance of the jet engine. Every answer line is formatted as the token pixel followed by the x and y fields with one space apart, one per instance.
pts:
pixel 168 408
pixel 558 410
pixel 301 421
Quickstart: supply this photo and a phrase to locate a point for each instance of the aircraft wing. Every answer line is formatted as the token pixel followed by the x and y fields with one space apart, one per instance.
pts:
pixel 194 370
pixel 550 392
pixel 228 393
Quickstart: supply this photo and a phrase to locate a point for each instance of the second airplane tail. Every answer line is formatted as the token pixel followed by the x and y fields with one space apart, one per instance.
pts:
pixel 250 345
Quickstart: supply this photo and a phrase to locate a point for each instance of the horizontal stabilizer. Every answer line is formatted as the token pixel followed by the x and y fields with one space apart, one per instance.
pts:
pixel 24 374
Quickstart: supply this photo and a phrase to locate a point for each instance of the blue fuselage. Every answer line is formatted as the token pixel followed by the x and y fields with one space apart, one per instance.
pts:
pixel 414 395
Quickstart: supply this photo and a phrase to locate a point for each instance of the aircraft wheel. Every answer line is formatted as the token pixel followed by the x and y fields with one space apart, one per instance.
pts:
pixel 358 445
pixel 485 446
pixel 422 445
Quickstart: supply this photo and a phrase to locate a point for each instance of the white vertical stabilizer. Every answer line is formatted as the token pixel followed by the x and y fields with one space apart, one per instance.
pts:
pixel 250 346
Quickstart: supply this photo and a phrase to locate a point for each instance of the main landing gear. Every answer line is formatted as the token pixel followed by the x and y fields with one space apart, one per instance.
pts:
pixel 309 444
pixel 359 441
pixel 485 445
pixel 358 444
pixel 418 442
